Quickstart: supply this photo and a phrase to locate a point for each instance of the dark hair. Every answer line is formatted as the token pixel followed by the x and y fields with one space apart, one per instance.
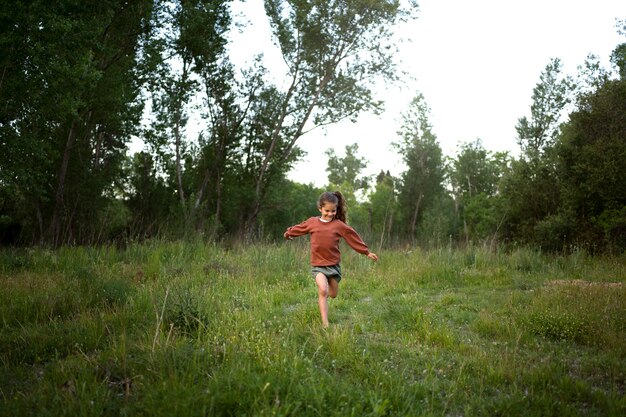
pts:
pixel 335 198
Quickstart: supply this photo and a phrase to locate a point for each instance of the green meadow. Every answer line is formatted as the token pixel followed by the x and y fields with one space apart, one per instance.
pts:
pixel 195 329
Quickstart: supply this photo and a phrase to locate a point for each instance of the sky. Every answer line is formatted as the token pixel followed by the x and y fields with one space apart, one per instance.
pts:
pixel 476 63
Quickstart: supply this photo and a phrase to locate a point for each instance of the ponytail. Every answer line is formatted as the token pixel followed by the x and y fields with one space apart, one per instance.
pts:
pixel 338 199
pixel 342 207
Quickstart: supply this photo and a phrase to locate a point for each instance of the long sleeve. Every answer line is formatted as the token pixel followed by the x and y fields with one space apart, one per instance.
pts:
pixel 353 239
pixel 325 239
pixel 300 229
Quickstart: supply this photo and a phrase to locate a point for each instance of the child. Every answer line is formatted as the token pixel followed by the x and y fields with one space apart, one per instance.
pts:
pixel 325 232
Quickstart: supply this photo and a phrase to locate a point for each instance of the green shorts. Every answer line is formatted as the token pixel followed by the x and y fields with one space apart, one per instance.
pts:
pixel 332 271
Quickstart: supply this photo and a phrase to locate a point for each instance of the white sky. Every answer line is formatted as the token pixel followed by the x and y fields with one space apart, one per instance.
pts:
pixel 475 62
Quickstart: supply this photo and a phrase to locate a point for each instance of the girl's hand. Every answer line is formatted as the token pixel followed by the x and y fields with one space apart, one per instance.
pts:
pixel 286 235
pixel 372 256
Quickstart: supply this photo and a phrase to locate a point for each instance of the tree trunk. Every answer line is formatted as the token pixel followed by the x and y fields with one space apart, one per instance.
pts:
pixel 39 221
pixel 179 175
pixel 414 218
pixel 466 231
pixel 55 224
pixel 218 205
pixel 202 189
pixel 275 135
pixel 177 128
pixel 98 149
pixel 386 224
pixel 258 191
pixel 389 227
pixel 4 71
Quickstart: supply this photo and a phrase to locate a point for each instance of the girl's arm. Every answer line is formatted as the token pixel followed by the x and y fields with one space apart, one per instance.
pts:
pixel 298 230
pixel 353 239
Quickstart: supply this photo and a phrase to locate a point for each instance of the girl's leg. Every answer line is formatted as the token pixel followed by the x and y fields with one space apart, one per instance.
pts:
pixel 322 296
pixel 333 287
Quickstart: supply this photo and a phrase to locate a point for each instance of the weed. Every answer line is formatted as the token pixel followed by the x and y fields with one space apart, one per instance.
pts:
pixel 187 328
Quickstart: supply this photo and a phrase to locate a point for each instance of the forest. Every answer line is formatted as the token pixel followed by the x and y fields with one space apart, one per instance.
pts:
pixel 81 80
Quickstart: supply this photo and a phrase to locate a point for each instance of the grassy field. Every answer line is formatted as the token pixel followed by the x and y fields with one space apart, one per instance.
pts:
pixel 191 329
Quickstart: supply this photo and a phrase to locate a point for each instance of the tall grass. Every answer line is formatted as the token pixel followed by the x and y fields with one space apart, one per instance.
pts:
pixel 188 328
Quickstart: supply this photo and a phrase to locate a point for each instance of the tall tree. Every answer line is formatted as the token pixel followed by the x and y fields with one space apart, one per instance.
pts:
pixel 347 168
pixel 550 97
pixel 474 170
pixel 592 162
pixel 147 196
pixel 531 186
pixel 71 92
pixel 382 208
pixel 206 33
pixel 333 51
pixel 474 176
pixel 422 182
pixel 189 65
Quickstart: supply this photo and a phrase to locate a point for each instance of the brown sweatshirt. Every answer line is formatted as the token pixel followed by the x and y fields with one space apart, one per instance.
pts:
pixel 325 239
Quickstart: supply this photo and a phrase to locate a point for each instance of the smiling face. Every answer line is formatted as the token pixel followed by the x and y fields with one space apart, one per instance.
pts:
pixel 328 211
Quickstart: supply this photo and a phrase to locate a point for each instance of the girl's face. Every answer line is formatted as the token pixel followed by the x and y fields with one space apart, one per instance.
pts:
pixel 328 211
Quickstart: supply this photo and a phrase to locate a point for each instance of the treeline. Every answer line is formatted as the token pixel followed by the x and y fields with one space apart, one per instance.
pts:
pixel 80 80
pixel 565 191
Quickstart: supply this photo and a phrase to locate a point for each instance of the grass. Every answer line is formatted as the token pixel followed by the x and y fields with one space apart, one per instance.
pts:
pixel 199 330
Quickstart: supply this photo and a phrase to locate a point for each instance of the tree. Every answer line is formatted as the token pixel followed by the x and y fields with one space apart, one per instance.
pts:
pixel 565 189
pixel 190 53
pixel 333 51
pixel 206 32
pixel 618 56
pixel 190 65
pixel 550 97
pixel 347 169
pixel 474 176
pixel 531 187
pixel 71 92
pixel 382 209
pixel 474 170
pixel 592 162
pixel 291 203
pixel 147 196
pixel 422 182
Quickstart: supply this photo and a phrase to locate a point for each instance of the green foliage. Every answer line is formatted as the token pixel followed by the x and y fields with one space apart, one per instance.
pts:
pixel 531 193
pixel 483 215
pixel 475 176
pixel 475 170
pixel 557 326
pixel 589 313
pixel 148 197
pixel 188 64
pixel 531 189
pixel 440 225
pixel 592 160
pixel 613 224
pixel 550 97
pixel 422 182
pixel 382 210
pixel 347 169
pixel 618 57
pixel 333 51
pixel 76 76
pixel 292 203
pixel 71 107
pixel 555 232
pixel 564 191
